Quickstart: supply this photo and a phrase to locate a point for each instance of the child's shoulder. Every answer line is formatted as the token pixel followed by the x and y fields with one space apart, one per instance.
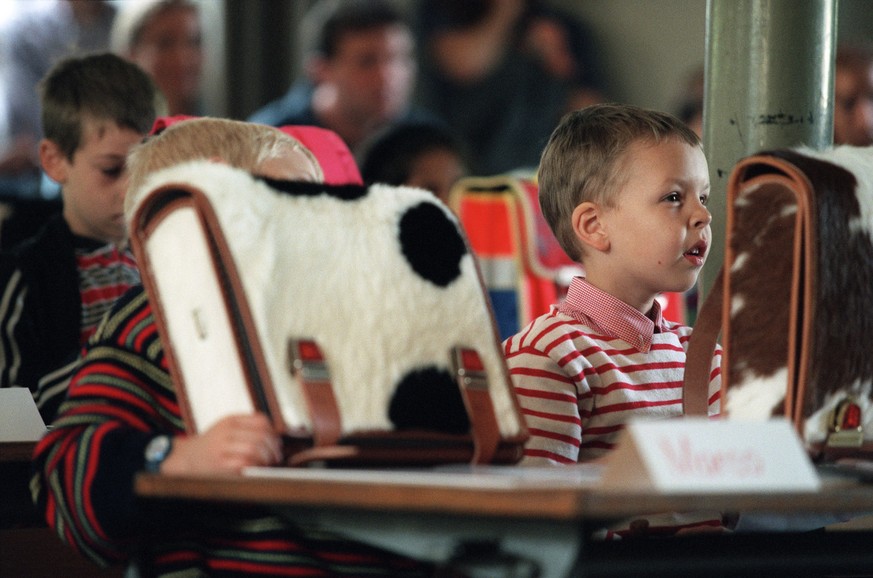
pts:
pixel 42 248
pixel 676 327
pixel 551 328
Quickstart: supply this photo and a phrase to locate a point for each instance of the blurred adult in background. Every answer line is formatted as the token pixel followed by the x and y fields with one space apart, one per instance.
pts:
pixel 164 37
pixel 690 100
pixel 501 73
pixel 36 36
pixel 360 71
pixel 418 154
pixel 853 95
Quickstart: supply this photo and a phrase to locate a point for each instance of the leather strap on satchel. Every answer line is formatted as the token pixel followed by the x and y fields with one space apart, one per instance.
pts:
pixel 715 312
pixel 473 383
pixel 698 361
pixel 308 365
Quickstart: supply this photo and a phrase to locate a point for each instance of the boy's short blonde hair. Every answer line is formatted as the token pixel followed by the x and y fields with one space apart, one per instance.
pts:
pixel 584 155
pixel 243 145
pixel 96 87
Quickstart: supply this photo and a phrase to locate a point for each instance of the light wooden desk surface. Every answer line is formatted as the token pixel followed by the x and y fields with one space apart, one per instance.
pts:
pixel 556 502
pixel 547 526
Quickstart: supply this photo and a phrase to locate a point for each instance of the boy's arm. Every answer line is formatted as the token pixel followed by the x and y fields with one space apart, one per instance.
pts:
pixel 26 358
pixel 84 466
pixel 121 398
pixel 549 402
pixel 16 335
pixel 51 388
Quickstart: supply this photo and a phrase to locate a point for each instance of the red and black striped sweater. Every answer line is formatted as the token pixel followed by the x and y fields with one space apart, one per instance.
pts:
pixel 120 398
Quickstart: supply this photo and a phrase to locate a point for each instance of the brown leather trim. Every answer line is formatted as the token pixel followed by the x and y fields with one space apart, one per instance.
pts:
pixel 483 423
pixel 420 449
pixel 146 219
pixel 701 347
pixel 715 313
pixel 801 306
pixel 474 383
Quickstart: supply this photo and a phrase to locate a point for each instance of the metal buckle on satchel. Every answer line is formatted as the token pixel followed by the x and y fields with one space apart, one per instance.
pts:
pixel 306 361
pixel 845 427
pixel 469 368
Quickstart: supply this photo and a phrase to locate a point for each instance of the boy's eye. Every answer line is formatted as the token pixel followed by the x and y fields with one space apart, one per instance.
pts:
pixel 113 172
pixel 673 198
pixel 704 199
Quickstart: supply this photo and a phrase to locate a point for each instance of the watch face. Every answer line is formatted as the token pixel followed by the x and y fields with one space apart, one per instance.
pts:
pixel 157 450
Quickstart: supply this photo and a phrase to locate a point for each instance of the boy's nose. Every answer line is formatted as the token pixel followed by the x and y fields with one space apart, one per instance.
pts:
pixel 120 190
pixel 702 217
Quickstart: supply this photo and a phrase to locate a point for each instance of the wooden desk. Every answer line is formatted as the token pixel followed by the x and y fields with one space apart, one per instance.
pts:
pixel 16 507
pixel 429 520
pixel 16 451
pixel 27 546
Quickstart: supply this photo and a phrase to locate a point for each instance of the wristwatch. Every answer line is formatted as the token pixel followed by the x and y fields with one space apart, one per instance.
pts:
pixel 156 452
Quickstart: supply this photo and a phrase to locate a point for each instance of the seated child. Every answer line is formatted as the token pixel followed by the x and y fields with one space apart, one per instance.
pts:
pixel 122 416
pixel 58 284
pixel 417 154
pixel 624 190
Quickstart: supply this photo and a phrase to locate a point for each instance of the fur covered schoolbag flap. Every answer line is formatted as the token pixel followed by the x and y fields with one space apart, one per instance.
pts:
pixel 354 317
pixel 794 300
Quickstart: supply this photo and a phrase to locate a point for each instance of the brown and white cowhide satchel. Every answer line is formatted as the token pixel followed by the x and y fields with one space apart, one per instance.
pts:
pixel 354 317
pixel 794 299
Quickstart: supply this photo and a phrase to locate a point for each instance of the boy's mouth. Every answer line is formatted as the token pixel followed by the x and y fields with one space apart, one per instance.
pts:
pixel 697 253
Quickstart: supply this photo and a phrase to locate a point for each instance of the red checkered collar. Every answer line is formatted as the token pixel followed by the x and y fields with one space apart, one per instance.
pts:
pixel 612 316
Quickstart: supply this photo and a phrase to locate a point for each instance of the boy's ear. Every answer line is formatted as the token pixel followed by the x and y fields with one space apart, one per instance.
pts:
pixel 53 160
pixel 588 226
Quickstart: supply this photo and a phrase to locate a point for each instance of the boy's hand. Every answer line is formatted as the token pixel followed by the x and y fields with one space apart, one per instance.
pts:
pixel 233 443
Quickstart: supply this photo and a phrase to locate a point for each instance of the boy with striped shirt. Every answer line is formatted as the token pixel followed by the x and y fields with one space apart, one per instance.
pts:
pixel 122 416
pixel 57 285
pixel 624 190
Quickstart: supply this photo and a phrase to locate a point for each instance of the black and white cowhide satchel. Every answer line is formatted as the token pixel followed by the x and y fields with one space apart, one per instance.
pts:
pixel 794 300
pixel 353 317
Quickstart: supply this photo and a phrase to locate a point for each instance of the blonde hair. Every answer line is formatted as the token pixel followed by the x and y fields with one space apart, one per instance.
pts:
pixel 582 160
pixel 240 144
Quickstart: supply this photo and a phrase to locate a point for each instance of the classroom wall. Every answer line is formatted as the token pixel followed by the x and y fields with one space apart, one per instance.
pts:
pixel 649 47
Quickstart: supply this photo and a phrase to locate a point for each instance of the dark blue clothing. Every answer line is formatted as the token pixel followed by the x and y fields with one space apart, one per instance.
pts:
pixel 295 108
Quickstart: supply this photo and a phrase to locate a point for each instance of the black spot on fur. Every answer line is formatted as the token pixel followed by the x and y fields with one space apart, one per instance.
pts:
pixel 307 189
pixel 429 399
pixel 432 244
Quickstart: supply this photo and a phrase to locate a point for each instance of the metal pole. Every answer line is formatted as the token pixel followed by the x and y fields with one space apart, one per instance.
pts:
pixel 769 84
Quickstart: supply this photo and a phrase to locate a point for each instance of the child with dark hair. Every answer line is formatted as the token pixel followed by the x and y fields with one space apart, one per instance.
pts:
pixel 360 71
pixel 424 155
pixel 58 284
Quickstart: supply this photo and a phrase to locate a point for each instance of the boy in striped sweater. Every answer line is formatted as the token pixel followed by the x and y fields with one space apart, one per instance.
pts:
pixel 57 285
pixel 624 190
pixel 122 416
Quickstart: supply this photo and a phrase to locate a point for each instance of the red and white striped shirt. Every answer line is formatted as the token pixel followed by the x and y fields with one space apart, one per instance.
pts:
pixel 585 369
pixel 590 365
pixel 105 274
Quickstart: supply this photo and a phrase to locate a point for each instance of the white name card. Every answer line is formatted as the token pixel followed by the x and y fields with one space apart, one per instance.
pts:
pixel 19 419
pixel 698 455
